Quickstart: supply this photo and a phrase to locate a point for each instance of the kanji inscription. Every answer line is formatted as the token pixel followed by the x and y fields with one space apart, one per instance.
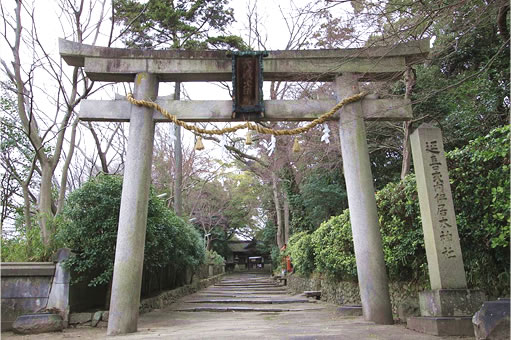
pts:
pixel 443 250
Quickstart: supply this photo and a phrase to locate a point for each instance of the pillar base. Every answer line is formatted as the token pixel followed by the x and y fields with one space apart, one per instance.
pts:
pixel 447 312
pixel 450 302
pixel 441 325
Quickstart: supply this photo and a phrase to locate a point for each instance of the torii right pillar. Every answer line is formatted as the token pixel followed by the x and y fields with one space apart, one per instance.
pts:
pixel 371 270
pixel 448 307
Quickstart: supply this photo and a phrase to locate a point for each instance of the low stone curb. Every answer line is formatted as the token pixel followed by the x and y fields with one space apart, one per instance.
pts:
pixel 89 319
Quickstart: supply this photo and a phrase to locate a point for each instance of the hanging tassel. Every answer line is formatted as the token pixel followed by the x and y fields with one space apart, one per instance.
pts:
pixel 248 141
pixel 198 145
pixel 296 145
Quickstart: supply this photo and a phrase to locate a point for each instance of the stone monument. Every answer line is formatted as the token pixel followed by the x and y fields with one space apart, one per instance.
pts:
pixel 448 307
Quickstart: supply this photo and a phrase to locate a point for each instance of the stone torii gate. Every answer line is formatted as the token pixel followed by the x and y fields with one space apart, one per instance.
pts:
pixel 146 68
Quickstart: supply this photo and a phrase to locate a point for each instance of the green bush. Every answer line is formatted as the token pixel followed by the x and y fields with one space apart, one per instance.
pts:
pixel 401 230
pixel 276 257
pixel 481 191
pixel 90 230
pixel 212 257
pixel 24 247
pixel 333 247
pixel 302 252
pixel 28 246
pixel 480 182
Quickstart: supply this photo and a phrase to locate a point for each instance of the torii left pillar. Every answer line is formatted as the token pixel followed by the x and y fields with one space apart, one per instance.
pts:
pixel 129 251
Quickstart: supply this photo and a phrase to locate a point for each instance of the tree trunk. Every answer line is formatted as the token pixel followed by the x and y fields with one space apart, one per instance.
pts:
pixel 178 161
pixel 286 219
pixel 27 215
pixel 45 202
pixel 405 165
pixel 101 153
pixel 65 168
pixel 108 295
pixel 409 80
pixel 278 210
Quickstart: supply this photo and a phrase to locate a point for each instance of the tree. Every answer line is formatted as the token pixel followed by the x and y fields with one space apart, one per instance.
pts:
pixel 46 127
pixel 180 24
pixel 17 163
pixel 226 206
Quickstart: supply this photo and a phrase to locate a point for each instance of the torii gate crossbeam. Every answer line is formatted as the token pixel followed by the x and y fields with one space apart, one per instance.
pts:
pixel 146 68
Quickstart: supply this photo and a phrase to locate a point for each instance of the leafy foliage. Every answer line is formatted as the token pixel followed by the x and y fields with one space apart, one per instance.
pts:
pixel 481 193
pixel 27 245
pixel 90 230
pixel 212 257
pixel 181 24
pixel 301 252
pixel 320 195
pixel 333 247
pixel 480 183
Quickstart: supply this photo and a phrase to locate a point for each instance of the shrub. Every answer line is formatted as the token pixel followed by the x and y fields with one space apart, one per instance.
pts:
pixel 401 230
pixel 333 248
pixel 481 191
pixel 28 246
pixel 301 251
pixel 212 257
pixel 276 257
pixel 90 230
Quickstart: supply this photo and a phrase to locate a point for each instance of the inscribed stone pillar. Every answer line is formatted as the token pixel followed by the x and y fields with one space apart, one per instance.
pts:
pixel 441 238
pixel 129 252
pixel 448 307
pixel 371 271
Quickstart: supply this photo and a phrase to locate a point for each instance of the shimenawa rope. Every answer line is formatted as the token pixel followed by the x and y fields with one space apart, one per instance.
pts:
pixel 248 125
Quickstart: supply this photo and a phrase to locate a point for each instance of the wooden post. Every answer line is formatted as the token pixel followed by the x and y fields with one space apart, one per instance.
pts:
pixel 129 252
pixel 372 275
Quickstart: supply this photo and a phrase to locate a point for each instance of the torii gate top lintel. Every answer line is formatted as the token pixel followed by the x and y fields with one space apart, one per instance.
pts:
pixel 118 64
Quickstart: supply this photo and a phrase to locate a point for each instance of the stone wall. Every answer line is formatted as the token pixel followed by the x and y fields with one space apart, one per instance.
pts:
pixel 347 293
pixel 32 287
pixel 25 289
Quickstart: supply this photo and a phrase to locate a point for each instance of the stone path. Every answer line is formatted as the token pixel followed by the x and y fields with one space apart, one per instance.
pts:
pixel 247 306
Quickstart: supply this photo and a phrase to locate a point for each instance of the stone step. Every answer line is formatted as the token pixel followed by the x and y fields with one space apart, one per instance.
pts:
pixel 239 294
pixel 242 285
pixel 247 288
pixel 246 292
pixel 247 282
pixel 250 301
pixel 238 309
pixel 350 310
pixel 251 280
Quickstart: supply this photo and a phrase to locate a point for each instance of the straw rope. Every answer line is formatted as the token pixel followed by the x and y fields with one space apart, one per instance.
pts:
pixel 248 125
